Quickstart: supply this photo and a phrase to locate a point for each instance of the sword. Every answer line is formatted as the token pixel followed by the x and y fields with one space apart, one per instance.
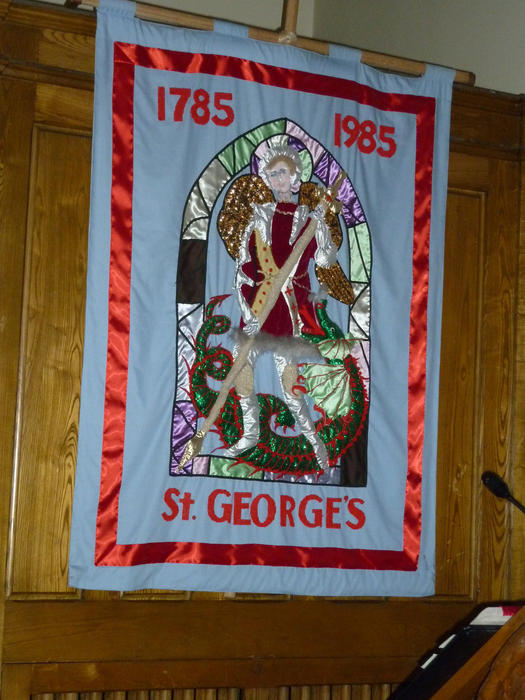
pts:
pixel 327 201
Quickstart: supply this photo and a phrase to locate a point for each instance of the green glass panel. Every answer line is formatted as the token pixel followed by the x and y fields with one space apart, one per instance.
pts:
pixel 360 253
pixel 236 156
pixel 223 467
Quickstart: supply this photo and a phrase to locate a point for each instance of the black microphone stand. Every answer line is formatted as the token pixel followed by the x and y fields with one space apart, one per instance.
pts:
pixel 499 488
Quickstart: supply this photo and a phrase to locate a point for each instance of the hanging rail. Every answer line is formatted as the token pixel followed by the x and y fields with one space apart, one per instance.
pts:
pixel 154 13
pixel 289 19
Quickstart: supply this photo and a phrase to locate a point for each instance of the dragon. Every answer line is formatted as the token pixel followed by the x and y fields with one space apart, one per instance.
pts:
pixel 275 451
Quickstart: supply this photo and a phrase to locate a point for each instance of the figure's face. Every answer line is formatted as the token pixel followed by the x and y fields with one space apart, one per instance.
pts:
pixel 279 177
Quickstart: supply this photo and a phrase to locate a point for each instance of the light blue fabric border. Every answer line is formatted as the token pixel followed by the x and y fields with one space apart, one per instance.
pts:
pixel 230 28
pixel 116 22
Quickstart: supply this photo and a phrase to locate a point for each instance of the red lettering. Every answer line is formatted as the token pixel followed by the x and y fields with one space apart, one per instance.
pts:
pixel 169 500
pixel 270 510
pixel 363 134
pixel 331 510
pixel 316 512
pixel 183 95
pixel 384 132
pixel 240 504
pixel 337 129
pixel 186 501
pixel 367 142
pixel 161 104
pixel 225 513
pixel 199 107
pixel 219 101
pixel 357 513
pixel 200 110
pixel 287 509
pixel 351 127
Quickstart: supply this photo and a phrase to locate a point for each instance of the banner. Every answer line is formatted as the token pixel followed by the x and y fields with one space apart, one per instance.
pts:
pixel 260 379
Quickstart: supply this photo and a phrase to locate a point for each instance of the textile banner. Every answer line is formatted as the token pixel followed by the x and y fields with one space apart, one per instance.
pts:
pixel 260 379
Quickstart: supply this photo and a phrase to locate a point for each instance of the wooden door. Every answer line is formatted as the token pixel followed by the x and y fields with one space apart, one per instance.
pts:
pixel 65 642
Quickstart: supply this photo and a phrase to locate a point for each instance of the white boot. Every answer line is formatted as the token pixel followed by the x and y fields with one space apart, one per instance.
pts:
pixel 250 419
pixel 299 409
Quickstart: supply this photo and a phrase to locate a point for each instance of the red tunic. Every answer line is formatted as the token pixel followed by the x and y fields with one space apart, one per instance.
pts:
pixel 292 310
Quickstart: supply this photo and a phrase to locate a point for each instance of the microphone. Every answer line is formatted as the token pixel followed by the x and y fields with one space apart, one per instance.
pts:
pixel 499 488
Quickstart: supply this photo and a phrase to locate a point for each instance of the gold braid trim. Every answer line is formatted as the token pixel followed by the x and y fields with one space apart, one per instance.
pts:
pixel 268 268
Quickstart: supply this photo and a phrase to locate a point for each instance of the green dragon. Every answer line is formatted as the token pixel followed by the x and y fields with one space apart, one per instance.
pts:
pixel 274 452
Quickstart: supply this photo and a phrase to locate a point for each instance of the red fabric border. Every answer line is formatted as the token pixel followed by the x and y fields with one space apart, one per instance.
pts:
pixel 107 551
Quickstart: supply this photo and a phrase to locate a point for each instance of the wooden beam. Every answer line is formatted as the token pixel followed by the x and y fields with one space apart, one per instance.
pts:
pixel 289 21
pixel 206 673
pixel 193 21
pixel 4 8
pixel 229 631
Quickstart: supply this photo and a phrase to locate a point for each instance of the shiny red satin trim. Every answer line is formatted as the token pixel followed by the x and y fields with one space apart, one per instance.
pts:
pixel 107 551
pixel 418 327
pixel 257 554
pixel 118 311
pixel 244 69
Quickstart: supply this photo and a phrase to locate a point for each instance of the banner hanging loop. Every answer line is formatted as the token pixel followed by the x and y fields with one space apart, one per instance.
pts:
pixel 396 64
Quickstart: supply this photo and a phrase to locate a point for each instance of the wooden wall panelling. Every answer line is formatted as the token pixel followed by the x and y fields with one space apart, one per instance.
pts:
pixel 18 44
pixel 64 107
pixel 498 383
pixel 50 363
pixel 4 7
pixel 282 693
pixel 459 415
pixel 34 45
pixel 16 681
pixel 485 123
pixel 517 590
pixel 347 692
pixel 248 644
pixel 184 694
pixel 317 692
pixel 15 147
pixel 58 38
pixel 497 183
pixel 66 49
pixel 231 694
pixel 100 595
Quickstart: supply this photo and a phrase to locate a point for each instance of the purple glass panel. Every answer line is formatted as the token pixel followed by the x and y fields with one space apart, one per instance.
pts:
pixel 184 421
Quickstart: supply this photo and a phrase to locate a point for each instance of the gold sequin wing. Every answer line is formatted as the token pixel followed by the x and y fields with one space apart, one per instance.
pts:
pixel 237 209
pixel 309 194
pixel 333 277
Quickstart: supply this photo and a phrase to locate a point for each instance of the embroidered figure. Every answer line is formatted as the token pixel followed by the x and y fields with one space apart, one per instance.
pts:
pixel 279 228
pixel 267 242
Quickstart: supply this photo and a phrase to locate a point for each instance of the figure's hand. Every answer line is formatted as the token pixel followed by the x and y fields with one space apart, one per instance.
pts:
pixel 252 327
pixel 318 213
